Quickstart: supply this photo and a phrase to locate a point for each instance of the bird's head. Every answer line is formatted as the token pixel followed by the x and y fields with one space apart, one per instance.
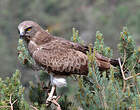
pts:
pixel 28 29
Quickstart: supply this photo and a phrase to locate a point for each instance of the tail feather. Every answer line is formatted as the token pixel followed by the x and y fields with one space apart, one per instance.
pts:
pixel 114 62
pixel 102 58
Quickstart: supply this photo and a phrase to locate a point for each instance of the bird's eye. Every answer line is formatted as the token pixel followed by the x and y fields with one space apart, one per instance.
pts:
pixel 28 29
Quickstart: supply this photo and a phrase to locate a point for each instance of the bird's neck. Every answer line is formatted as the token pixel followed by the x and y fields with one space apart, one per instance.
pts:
pixel 38 40
pixel 42 37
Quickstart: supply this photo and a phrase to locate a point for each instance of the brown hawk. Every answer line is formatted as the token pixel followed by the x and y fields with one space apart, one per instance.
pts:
pixel 58 56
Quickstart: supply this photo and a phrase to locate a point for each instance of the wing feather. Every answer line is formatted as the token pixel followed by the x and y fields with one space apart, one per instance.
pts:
pixel 60 59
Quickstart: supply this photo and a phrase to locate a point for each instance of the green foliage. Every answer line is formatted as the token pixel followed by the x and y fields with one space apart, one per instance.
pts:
pixel 75 36
pixel 60 16
pixel 37 94
pixel 23 54
pixel 12 93
pixel 129 53
pixel 96 92
pixel 100 47
pixel 126 46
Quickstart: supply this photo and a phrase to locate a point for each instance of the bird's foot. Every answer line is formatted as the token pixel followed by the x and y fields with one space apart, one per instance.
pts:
pixel 48 101
pixel 53 100
pixel 56 103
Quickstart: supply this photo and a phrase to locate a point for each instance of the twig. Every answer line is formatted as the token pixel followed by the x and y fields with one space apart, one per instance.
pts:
pixel 34 108
pixel 11 101
pixel 124 86
pixel 56 103
pixel 124 78
pixel 5 106
pixel 121 69
pixel 130 77
pixel 11 104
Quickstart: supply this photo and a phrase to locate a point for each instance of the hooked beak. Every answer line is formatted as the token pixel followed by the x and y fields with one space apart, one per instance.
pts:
pixel 22 34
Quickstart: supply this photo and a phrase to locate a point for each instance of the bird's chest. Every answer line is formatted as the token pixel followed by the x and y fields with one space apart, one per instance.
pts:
pixel 32 47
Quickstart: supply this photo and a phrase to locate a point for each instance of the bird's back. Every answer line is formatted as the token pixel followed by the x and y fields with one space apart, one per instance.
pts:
pixel 60 56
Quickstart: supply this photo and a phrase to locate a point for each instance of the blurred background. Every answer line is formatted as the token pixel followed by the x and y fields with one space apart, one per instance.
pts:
pixel 59 17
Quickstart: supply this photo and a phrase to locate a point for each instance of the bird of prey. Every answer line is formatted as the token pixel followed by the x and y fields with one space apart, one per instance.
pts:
pixel 58 56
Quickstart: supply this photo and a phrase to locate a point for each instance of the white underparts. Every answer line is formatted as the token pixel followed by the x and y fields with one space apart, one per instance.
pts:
pixel 59 81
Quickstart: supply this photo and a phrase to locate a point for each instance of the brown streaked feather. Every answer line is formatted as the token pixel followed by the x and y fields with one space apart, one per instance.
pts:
pixel 72 45
pixel 58 55
pixel 65 57
pixel 61 60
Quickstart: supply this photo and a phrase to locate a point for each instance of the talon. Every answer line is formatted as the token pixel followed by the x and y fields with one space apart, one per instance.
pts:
pixel 49 99
pixel 54 97
pixel 48 103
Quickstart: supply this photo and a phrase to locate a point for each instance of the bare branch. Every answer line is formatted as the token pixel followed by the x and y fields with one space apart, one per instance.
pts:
pixel 34 108
pixel 130 77
pixel 5 106
pixel 121 68
pixel 11 104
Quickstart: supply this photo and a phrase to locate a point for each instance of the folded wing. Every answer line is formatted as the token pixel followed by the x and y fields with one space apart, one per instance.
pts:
pixel 58 58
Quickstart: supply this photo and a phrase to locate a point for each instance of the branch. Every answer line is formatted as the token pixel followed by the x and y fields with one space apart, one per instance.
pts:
pixel 130 77
pixel 34 108
pixel 5 106
pixel 56 103
pixel 11 104
pixel 124 78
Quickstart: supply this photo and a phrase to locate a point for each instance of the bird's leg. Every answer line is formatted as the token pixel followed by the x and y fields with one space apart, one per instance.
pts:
pixel 49 99
pixel 56 103
pixel 53 99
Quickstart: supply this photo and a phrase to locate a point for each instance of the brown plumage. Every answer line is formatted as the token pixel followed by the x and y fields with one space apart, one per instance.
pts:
pixel 57 55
